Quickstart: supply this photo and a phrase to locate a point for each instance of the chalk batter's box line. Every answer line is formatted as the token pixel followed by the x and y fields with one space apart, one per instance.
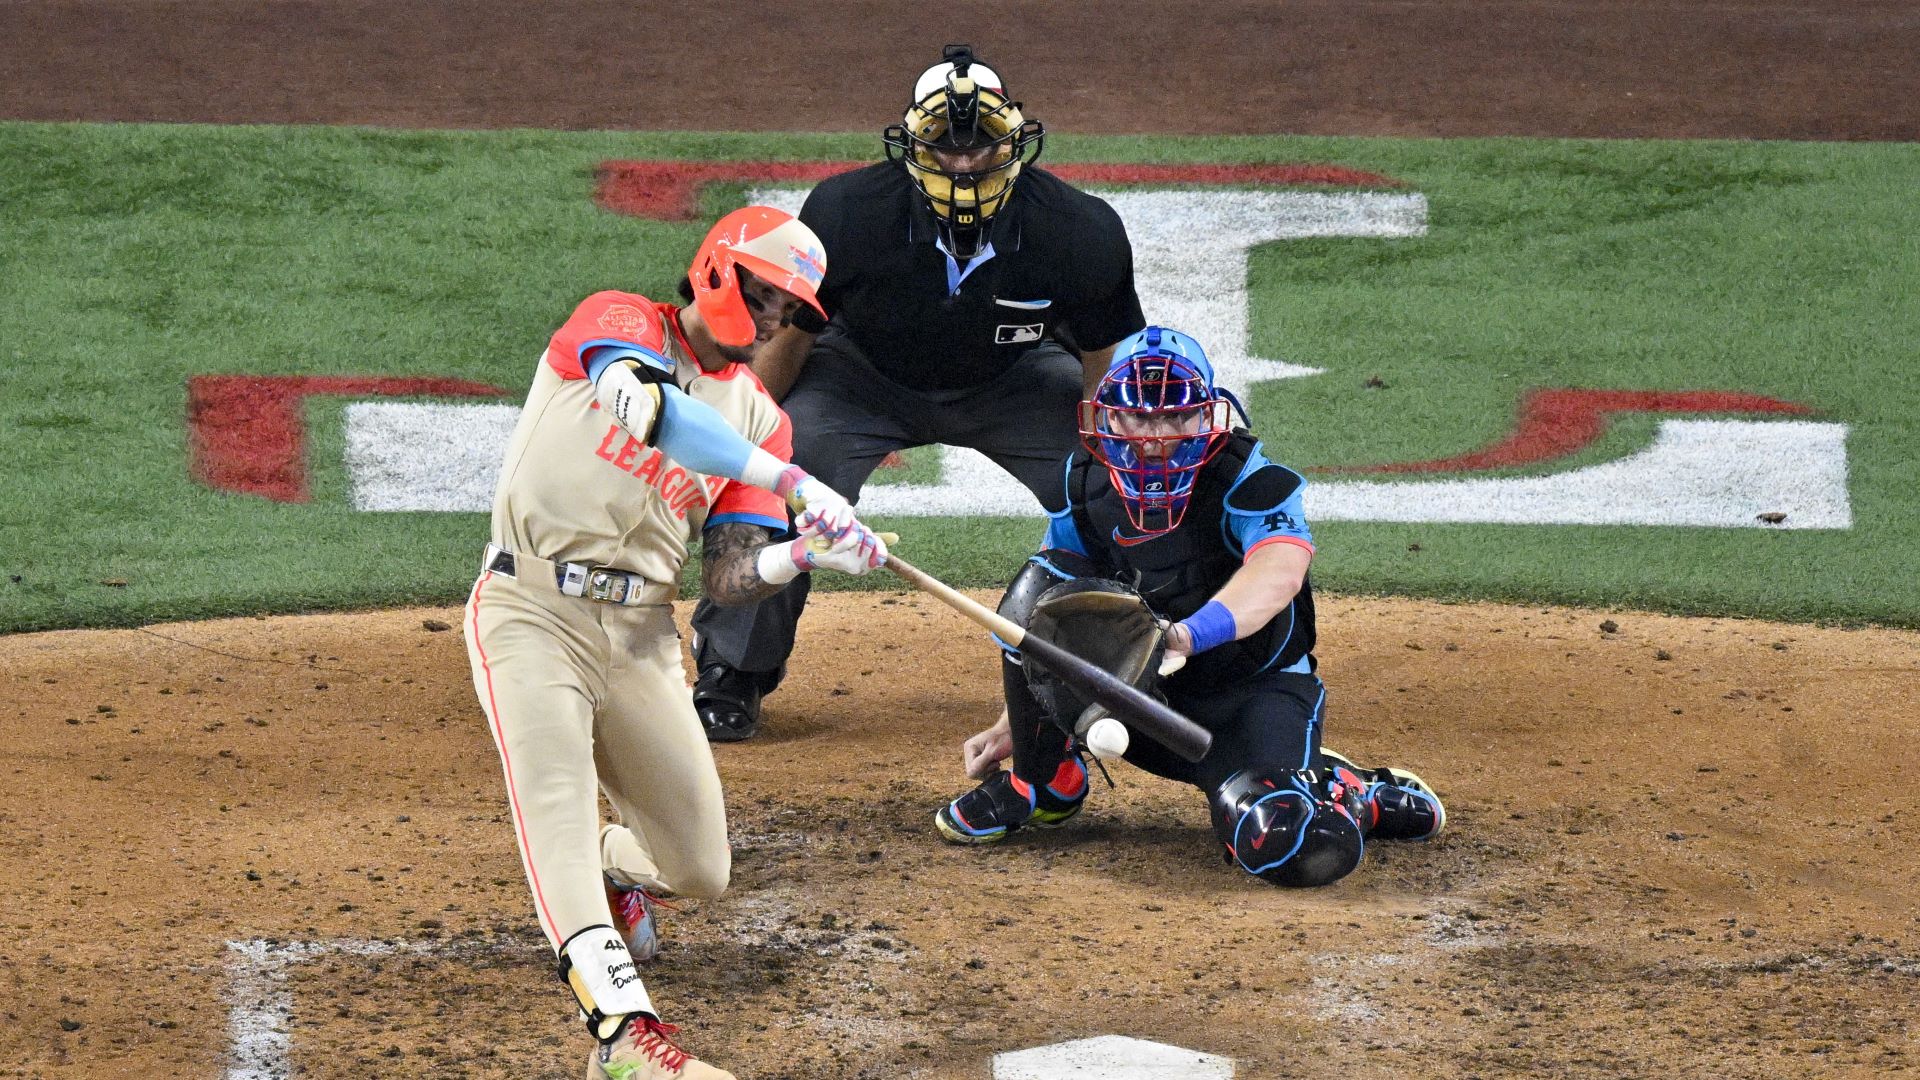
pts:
pixel 260 1004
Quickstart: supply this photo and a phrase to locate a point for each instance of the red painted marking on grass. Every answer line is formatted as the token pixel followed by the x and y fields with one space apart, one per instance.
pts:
pixel 670 190
pixel 1556 423
pixel 245 433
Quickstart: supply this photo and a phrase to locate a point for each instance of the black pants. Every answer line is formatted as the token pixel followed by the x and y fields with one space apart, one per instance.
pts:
pixel 847 417
pixel 1270 719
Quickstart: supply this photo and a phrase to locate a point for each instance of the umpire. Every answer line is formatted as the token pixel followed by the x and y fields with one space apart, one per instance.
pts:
pixel 972 301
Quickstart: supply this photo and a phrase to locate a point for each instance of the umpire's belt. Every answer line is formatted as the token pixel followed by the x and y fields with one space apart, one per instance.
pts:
pixel 602 584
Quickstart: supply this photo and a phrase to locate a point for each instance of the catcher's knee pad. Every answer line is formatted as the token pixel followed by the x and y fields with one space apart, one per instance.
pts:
pixel 1289 826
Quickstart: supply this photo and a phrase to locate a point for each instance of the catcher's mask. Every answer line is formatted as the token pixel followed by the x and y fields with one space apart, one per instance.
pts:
pixel 1154 421
pixel 771 244
pixel 963 142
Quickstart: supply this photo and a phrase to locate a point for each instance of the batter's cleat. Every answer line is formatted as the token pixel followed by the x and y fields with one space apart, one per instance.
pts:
pixel 728 702
pixel 644 1050
pixel 1401 805
pixel 1004 804
pixel 634 918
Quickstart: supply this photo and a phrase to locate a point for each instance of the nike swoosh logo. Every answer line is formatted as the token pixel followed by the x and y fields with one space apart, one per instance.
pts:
pixel 1130 541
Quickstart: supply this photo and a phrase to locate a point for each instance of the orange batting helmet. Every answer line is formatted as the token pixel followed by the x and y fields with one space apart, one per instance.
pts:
pixel 771 244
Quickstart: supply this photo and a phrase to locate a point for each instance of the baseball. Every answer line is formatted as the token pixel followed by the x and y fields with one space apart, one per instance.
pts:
pixel 1107 738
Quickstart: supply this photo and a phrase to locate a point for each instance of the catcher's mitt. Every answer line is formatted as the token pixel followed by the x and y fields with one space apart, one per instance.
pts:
pixel 1104 623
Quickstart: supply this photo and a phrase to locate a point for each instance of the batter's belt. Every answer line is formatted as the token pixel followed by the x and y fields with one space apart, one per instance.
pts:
pixel 601 584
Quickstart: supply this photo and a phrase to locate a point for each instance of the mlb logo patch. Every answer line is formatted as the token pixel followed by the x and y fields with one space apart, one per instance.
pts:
pixel 1006 334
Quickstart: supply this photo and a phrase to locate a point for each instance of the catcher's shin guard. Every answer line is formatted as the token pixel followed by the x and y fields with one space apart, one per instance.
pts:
pixel 1291 827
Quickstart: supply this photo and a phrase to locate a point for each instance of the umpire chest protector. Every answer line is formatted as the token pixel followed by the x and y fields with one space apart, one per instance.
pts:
pixel 1177 572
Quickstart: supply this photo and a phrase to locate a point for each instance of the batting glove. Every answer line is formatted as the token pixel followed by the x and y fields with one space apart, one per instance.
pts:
pixel 856 552
pixel 818 509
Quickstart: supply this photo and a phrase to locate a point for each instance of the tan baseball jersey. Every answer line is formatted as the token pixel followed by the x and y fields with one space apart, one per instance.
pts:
pixel 576 487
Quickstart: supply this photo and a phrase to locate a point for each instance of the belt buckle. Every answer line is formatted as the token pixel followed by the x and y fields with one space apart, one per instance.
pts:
pixel 606 585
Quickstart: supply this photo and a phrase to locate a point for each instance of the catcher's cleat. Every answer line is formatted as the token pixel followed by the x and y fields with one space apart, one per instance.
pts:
pixel 643 1049
pixel 728 702
pixel 1004 804
pixel 634 918
pixel 1401 805
pixel 1405 808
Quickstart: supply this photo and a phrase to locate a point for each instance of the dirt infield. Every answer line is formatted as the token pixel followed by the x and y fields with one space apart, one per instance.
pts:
pixel 1691 866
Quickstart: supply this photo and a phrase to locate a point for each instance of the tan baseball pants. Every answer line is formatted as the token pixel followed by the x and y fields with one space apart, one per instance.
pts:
pixel 583 696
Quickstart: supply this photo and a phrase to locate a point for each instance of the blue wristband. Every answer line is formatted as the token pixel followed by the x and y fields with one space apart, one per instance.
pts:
pixel 1210 626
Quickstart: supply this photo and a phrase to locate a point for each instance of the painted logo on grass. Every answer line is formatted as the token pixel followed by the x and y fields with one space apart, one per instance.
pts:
pixel 1191 246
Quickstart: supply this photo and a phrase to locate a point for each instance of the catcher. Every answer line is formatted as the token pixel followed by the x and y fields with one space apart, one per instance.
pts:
pixel 1209 537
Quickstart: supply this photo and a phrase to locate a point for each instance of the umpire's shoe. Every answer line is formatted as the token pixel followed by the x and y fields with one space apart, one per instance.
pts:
pixel 644 1049
pixel 728 702
pixel 1004 803
pixel 1402 806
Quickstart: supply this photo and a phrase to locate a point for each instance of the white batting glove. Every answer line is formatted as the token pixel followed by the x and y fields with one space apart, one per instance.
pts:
pixel 858 550
pixel 818 509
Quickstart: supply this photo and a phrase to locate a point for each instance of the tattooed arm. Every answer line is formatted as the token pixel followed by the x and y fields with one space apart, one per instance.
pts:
pixel 729 573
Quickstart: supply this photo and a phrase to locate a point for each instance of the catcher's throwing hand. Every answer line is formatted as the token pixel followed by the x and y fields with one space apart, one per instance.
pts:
pixel 1179 646
pixel 984 752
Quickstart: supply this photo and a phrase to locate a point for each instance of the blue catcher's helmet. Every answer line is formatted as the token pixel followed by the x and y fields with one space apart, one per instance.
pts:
pixel 1155 419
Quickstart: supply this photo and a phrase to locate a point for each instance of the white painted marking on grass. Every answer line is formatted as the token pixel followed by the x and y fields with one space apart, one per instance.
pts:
pixel 1718 473
pixel 418 456
pixel 1110 1057
pixel 1721 473
pixel 1191 271
pixel 260 1005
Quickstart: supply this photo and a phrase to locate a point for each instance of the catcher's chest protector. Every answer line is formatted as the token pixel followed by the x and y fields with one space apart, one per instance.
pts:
pixel 1180 571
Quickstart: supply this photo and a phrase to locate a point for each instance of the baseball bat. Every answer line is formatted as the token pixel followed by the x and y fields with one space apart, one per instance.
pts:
pixel 1128 704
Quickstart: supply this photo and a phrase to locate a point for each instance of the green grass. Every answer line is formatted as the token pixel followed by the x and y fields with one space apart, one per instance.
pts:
pixel 133 257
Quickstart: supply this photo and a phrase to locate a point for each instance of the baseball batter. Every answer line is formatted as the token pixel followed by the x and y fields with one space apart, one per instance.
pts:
pixel 643 429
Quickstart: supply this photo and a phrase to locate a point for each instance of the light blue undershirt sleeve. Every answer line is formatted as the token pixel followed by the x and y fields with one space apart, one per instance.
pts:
pixel 690 432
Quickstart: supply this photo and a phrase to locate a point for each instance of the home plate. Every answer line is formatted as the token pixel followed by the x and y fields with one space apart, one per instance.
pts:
pixel 1110 1057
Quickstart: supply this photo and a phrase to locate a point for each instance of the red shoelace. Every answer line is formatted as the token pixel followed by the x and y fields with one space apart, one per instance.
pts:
pixel 655 1040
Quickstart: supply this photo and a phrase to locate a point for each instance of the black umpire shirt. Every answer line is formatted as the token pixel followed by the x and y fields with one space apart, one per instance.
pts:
pixel 1061 269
